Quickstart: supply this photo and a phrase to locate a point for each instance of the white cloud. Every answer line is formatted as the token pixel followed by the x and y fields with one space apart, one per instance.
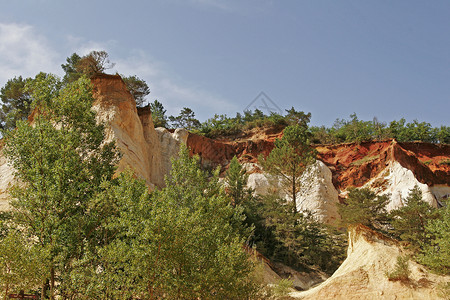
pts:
pixel 25 52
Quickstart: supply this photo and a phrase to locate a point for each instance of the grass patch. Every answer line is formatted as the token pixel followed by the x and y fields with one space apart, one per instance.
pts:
pixel 445 162
pixel 364 160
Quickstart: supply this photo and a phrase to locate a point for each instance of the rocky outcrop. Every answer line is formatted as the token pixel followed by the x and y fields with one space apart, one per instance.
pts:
pixel 133 133
pixel 387 167
pixel 6 178
pixel 316 194
pixel 397 181
pixel 170 142
pixel 362 275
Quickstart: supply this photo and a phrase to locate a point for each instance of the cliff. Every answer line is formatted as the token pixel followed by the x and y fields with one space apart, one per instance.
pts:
pixel 363 273
pixel 384 166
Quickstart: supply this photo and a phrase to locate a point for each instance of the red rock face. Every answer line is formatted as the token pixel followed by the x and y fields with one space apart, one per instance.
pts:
pixel 351 164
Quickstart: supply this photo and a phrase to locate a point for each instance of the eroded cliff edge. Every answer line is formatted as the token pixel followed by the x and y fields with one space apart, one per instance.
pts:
pixel 363 273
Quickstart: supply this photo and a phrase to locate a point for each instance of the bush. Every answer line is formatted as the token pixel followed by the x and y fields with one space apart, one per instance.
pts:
pixel 401 270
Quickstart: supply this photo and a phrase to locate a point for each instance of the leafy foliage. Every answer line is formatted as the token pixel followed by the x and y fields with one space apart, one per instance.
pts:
pixel 137 87
pixel 236 180
pixel 19 264
pixel 401 270
pixel 158 114
pixel 186 119
pixel 436 253
pixel 290 158
pixel 182 242
pixel 16 102
pixel 355 130
pixel 410 221
pixel 60 161
pixel 365 207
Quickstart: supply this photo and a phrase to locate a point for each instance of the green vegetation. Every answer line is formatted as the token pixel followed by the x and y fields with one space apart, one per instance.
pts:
pixel 280 232
pixel 15 95
pixel 426 229
pixel 436 254
pixel 343 131
pixel 75 232
pixel 410 221
pixel 365 207
pixel 289 160
pixel 15 102
pixel 158 114
pixel 445 162
pixel 401 270
pixel 365 160
pixel 186 119
pixel 137 87
pixel 61 162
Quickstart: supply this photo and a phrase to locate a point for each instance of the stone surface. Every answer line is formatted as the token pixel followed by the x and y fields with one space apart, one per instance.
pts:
pixel 397 181
pixel 134 135
pixel 170 146
pixel 363 274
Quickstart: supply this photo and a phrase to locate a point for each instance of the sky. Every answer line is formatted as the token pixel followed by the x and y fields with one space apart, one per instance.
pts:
pixel 380 58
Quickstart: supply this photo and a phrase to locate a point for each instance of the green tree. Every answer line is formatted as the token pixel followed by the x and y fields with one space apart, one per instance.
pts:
pixel 410 221
pixel 15 102
pixel 436 253
pixel 290 158
pixel 236 180
pixel 70 67
pixel 182 242
pixel 96 62
pixel 20 265
pixel 365 207
pixel 60 160
pixel 297 117
pixel 186 119
pixel 138 88
pixel 158 114
pixel 299 240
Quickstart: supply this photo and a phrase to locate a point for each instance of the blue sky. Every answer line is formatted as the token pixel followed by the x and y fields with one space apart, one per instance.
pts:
pixel 380 58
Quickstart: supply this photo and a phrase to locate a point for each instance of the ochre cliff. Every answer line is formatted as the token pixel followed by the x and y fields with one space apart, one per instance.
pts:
pixel 133 132
pixel 363 273
pixel 387 167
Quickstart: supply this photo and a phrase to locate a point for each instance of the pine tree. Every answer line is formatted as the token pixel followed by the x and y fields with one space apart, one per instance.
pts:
pixel 236 180
pixel 182 242
pixel 436 254
pixel 290 158
pixel 410 221
pixel 365 207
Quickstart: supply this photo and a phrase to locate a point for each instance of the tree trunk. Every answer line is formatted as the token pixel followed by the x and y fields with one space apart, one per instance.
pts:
pixel 52 283
pixel 294 194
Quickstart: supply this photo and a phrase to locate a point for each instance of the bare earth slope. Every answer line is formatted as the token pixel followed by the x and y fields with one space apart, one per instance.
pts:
pixel 362 275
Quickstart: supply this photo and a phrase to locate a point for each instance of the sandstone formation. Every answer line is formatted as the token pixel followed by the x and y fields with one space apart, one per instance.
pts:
pixel 387 167
pixel 170 145
pixel 134 133
pixel 362 275
pixel 6 178
pixel 317 193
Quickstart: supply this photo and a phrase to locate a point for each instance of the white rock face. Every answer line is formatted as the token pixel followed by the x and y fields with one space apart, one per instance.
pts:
pixel 440 191
pixel 363 273
pixel 317 193
pixel 398 181
pixel 6 178
pixel 170 146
